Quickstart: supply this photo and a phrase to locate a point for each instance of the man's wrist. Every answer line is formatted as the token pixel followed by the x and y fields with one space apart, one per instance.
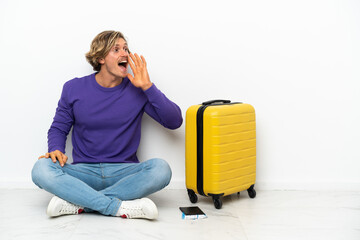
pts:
pixel 147 86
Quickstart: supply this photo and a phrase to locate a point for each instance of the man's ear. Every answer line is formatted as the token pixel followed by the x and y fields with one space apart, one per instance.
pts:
pixel 101 60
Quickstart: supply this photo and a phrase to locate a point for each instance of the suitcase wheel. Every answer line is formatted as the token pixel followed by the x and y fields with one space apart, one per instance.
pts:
pixel 217 202
pixel 192 196
pixel 251 191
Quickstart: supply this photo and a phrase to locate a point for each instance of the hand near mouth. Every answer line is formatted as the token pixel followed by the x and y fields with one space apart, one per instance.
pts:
pixel 141 77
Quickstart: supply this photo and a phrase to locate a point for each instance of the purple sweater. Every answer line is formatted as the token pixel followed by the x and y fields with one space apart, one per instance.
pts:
pixel 107 121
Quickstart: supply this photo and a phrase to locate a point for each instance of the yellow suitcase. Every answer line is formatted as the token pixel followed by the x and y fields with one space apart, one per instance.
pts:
pixel 220 150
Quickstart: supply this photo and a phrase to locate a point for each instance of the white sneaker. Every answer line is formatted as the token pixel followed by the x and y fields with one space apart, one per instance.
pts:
pixel 58 207
pixel 138 208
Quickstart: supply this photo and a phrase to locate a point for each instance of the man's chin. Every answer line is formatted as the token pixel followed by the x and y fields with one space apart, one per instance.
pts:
pixel 121 75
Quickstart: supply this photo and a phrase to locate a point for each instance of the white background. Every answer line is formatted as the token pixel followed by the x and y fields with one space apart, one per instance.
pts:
pixel 296 62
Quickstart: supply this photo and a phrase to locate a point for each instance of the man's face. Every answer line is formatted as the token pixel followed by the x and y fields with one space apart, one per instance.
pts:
pixel 116 62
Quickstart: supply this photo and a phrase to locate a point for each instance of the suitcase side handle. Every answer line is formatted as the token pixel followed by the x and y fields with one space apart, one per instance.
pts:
pixel 215 101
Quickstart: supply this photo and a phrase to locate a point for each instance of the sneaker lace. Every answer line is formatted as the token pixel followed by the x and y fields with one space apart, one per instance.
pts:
pixel 134 211
pixel 69 208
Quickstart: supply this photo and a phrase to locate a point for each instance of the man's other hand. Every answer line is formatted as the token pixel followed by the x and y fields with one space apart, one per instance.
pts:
pixel 56 155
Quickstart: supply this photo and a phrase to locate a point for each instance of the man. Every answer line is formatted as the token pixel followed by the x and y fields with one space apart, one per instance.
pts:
pixel 105 111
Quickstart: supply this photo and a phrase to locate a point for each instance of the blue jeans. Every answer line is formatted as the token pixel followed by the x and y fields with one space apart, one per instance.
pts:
pixel 101 187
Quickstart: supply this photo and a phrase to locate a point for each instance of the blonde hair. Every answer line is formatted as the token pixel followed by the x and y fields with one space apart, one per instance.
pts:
pixel 101 46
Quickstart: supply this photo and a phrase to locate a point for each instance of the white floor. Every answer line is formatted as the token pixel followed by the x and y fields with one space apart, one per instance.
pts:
pixel 271 215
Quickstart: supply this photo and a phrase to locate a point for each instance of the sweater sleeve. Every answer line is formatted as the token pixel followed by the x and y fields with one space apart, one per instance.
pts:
pixel 160 108
pixel 62 123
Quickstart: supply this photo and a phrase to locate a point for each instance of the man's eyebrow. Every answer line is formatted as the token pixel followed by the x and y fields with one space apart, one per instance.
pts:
pixel 118 45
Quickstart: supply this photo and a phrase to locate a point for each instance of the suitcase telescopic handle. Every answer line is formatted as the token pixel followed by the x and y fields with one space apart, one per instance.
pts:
pixel 216 101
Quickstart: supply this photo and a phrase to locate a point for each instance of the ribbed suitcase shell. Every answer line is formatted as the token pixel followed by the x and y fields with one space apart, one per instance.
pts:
pixel 229 148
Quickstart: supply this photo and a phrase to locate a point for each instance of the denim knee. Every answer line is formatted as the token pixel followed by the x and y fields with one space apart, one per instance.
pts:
pixel 40 173
pixel 161 171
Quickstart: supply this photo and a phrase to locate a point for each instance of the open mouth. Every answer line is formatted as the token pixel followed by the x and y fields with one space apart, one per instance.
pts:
pixel 123 64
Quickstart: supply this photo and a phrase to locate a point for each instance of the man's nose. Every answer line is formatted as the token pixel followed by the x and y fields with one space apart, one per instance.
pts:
pixel 124 53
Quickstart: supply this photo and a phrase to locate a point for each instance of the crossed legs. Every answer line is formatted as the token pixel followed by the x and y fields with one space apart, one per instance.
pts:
pixel 101 187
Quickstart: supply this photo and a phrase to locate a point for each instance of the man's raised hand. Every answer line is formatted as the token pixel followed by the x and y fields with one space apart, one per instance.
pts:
pixel 141 77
